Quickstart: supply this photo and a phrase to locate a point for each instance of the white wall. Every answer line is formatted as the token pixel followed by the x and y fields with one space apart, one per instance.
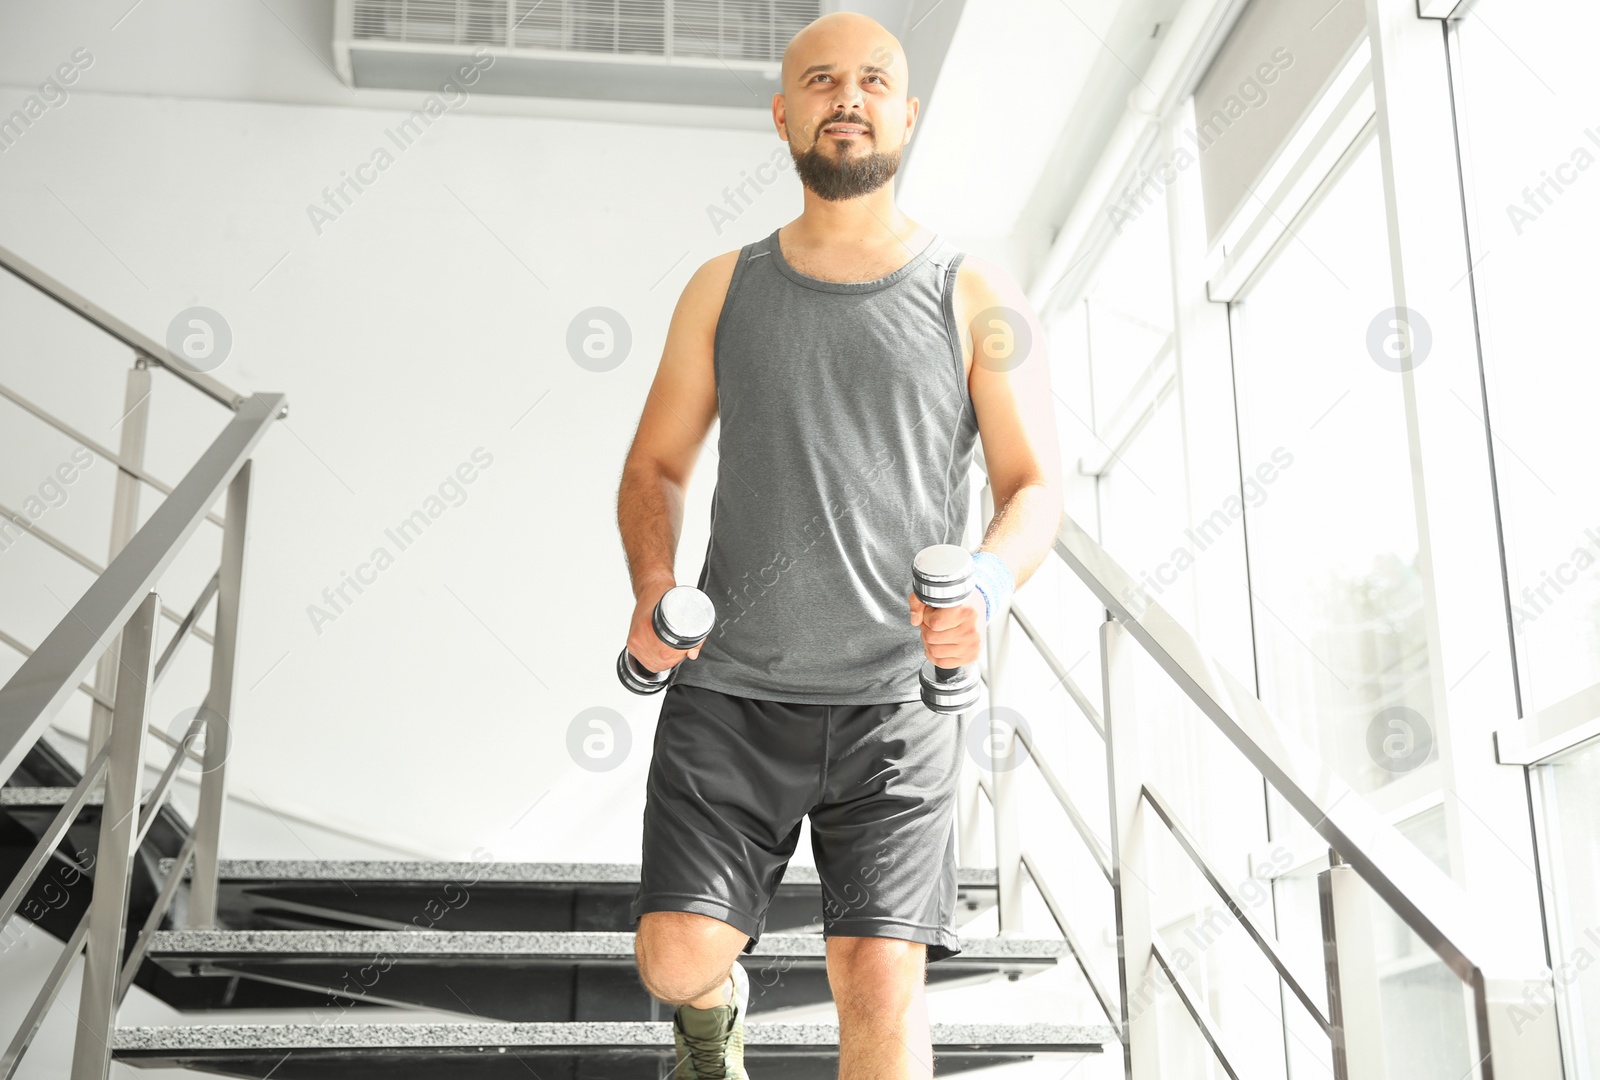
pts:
pixel 419 326
pixel 414 330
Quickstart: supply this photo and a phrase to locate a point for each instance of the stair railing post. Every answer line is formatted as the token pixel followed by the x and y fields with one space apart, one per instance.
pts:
pixel 1003 753
pixel 1130 872
pixel 119 826
pixel 969 790
pixel 1349 953
pixel 124 523
pixel 219 703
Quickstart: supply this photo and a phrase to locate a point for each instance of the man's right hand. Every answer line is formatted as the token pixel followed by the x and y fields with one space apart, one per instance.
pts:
pixel 643 642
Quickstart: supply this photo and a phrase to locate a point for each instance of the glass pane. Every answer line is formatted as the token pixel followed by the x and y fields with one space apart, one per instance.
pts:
pixel 1212 790
pixel 1332 541
pixel 1570 789
pixel 1142 500
pixel 1299 911
pixel 1424 1004
pixel 1527 89
pixel 1129 307
pixel 1070 382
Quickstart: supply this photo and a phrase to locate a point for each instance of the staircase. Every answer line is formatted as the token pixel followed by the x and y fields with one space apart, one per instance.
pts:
pixel 534 961
pixel 517 966
pixel 528 967
pixel 537 962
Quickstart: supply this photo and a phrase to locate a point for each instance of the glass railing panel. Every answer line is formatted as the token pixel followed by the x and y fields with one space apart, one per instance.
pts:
pixel 1299 925
pixel 1568 793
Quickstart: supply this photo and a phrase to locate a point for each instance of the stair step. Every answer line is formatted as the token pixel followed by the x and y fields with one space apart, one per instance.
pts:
pixel 490 945
pixel 1083 1038
pixel 359 870
pixel 405 1051
pixel 28 798
pixel 473 895
pixel 565 976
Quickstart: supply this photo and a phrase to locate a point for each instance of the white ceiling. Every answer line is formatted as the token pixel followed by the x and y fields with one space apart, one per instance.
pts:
pixel 1014 74
pixel 1013 91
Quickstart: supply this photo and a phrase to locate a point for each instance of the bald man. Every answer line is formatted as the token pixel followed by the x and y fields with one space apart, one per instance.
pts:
pixel 839 353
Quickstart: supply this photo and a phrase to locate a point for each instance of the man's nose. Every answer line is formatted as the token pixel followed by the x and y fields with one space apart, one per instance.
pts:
pixel 847 99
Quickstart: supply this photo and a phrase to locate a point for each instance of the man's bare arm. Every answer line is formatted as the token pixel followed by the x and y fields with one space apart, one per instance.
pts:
pixel 1016 415
pixel 677 414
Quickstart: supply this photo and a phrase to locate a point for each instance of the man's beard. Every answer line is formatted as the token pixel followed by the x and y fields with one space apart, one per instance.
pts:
pixel 850 176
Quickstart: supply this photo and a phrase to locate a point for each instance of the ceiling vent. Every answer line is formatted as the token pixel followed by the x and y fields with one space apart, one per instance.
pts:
pixel 689 52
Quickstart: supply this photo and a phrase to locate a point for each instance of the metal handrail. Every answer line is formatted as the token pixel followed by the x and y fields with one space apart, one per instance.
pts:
pixel 87 563
pixel 1209 1030
pixel 53 833
pixel 38 689
pixel 121 606
pixel 186 626
pixel 1429 902
pixel 123 465
pixel 48 992
pixel 1059 670
pixel 141 344
pixel 152 922
pixel 95 695
pixel 1108 1004
pixel 47 997
pixel 112 627
pixel 1058 916
pixel 1097 847
pixel 1264 939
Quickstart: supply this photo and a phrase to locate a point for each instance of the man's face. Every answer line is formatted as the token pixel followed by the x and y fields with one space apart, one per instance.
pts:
pixel 846 121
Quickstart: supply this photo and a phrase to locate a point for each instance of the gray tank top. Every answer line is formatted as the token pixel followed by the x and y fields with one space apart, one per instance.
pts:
pixel 846 438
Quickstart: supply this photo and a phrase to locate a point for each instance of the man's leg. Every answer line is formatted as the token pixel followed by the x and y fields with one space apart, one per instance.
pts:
pixel 877 986
pixel 685 959
pixel 884 839
pixel 730 779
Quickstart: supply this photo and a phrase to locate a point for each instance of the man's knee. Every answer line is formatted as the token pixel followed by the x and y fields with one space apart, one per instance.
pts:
pixel 875 973
pixel 682 955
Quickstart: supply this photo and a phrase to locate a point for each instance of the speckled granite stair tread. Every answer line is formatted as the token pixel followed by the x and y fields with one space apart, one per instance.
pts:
pixel 523 872
pixel 45 796
pixel 225 1037
pixel 494 944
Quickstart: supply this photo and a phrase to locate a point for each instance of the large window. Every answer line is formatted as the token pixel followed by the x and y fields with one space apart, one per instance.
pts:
pixel 1527 91
pixel 1126 320
pixel 1330 507
pixel 1336 574
pixel 1335 587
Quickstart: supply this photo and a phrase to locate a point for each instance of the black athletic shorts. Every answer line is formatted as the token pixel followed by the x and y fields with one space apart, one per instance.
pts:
pixel 732 777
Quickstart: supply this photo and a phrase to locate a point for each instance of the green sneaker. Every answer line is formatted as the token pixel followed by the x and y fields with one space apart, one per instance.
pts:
pixel 710 1042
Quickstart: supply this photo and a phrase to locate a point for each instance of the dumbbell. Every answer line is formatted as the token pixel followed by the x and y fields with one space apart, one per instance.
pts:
pixel 941 576
pixel 683 617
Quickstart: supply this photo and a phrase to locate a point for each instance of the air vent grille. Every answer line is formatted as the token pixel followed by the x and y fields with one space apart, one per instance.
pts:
pixel 751 30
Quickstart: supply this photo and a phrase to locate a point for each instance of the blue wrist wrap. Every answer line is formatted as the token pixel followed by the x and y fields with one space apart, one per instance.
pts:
pixel 992 578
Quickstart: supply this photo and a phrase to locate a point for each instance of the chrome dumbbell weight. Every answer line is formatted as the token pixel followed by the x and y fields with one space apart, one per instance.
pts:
pixel 683 617
pixel 941 576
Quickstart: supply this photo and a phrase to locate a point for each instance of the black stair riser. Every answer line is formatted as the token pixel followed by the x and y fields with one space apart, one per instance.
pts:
pixel 488 905
pixel 60 894
pixel 547 1063
pixel 517 990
